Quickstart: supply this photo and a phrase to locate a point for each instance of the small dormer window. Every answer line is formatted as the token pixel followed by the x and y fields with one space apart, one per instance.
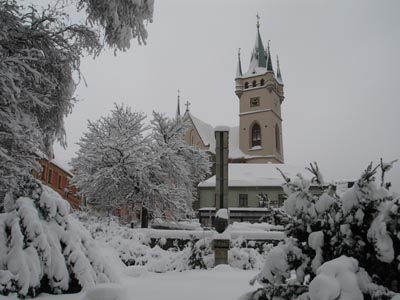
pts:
pixel 246 85
pixel 254 83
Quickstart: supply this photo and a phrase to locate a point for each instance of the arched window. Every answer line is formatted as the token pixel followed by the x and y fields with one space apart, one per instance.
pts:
pixel 254 83
pixel 262 82
pixel 192 137
pixel 277 139
pixel 255 135
pixel 246 85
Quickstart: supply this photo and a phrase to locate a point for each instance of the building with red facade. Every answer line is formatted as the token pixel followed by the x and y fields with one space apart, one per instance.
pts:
pixel 59 179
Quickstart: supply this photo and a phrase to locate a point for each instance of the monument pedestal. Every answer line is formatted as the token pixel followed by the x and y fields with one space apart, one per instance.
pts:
pixel 221 247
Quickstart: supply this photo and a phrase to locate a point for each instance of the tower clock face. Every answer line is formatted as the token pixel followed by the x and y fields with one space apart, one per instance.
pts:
pixel 254 101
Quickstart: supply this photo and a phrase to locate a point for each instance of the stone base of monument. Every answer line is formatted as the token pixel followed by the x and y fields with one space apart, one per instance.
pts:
pixel 221 247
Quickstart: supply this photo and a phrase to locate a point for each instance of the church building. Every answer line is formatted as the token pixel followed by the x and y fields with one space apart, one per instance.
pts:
pixel 255 146
pixel 258 138
pixel 254 182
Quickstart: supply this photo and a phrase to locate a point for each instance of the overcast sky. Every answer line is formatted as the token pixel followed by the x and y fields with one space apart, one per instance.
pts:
pixel 340 63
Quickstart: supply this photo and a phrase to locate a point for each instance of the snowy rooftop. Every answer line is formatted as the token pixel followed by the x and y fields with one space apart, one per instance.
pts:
pixel 206 132
pixel 62 164
pixel 258 175
pixel 254 71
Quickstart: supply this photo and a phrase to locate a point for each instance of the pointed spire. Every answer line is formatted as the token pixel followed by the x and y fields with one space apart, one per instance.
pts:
pixel 259 45
pixel 269 59
pixel 278 71
pixel 178 109
pixel 239 66
pixel 258 55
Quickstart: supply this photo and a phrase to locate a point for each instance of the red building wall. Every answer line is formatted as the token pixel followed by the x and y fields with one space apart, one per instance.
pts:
pixel 59 180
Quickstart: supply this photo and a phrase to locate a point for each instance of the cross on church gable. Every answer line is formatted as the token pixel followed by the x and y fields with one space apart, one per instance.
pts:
pixel 187 105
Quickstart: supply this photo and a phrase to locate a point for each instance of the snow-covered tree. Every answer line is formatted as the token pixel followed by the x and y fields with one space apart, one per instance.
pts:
pixel 40 55
pixel 355 236
pixel 180 165
pixel 43 249
pixel 121 20
pixel 112 164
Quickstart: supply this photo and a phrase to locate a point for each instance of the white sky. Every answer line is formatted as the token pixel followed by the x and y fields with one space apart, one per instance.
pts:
pixel 339 61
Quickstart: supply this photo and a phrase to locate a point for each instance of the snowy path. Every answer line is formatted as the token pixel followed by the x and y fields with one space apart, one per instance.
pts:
pixel 223 283
pixel 220 283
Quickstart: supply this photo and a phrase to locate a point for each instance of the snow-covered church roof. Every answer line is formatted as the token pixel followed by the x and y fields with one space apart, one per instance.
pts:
pixel 206 132
pixel 258 175
pixel 260 61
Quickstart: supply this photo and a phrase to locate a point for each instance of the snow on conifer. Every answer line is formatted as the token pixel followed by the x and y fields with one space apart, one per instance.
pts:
pixel 43 249
pixel 353 238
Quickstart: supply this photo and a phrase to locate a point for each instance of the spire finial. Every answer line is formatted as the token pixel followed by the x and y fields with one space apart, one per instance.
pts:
pixel 239 53
pixel 258 20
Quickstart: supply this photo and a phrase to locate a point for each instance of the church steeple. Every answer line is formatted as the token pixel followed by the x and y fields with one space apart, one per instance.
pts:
pixel 258 55
pixel 239 66
pixel 278 71
pixel 260 93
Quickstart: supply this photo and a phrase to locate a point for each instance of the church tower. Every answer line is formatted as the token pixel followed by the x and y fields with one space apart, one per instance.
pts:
pixel 260 94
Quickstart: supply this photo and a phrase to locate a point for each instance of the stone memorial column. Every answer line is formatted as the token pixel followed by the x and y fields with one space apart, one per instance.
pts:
pixel 221 242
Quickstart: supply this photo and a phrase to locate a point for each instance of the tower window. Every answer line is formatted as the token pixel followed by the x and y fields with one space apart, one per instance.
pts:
pixel 254 83
pixel 262 82
pixel 277 139
pixel 246 85
pixel 256 135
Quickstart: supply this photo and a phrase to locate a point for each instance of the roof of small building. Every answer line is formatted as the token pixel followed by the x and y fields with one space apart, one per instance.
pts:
pixel 62 164
pixel 258 175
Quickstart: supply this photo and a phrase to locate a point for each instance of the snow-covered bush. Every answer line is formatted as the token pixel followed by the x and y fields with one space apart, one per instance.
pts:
pixel 148 248
pixel 361 228
pixel 201 254
pixel 245 255
pixel 342 278
pixel 44 249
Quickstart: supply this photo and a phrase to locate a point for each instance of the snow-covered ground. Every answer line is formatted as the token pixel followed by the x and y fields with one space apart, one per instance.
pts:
pixel 222 282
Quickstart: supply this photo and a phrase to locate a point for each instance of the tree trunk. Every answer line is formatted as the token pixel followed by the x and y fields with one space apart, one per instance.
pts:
pixel 145 218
